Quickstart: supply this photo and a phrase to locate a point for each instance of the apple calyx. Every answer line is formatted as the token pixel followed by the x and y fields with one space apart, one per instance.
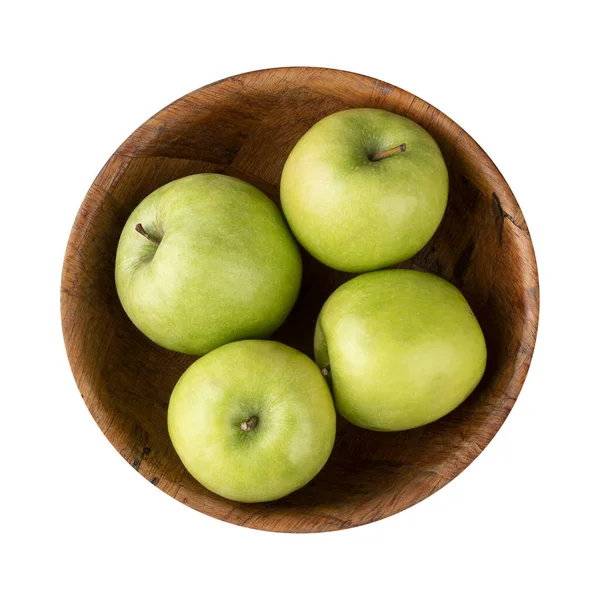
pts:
pixel 139 228
pixel 391 152
pixel 249 424
pixel 325 371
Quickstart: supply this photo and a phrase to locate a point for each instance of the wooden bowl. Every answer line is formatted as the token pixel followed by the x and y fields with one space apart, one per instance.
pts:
pixel 245 126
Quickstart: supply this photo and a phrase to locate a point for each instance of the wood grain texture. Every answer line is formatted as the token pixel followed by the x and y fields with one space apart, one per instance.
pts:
pixel 245 126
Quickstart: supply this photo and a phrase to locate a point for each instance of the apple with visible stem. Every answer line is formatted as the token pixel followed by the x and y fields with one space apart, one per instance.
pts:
pixel 364 189
pixel 401 349
pixel 205 260
pixel 252 420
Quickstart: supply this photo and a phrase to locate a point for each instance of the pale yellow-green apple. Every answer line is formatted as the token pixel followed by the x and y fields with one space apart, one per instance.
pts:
pixel 252 420
pixel 364 189
pixel 206 260
pixel 401 348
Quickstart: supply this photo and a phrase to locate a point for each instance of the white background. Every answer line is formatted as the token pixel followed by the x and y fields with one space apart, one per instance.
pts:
pixel 78 522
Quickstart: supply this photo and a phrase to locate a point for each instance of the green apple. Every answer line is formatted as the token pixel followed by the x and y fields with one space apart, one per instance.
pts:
pixel 252 420
pixel 364 189
pixel 206 260
pixel 402 348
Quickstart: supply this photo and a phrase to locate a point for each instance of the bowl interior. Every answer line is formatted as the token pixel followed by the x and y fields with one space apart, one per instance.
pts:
pixel 245 126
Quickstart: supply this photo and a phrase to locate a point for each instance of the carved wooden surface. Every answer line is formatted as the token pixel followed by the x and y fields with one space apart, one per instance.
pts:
pixel 245 126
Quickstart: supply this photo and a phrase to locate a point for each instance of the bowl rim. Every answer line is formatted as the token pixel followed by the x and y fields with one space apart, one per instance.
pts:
pixel 509 209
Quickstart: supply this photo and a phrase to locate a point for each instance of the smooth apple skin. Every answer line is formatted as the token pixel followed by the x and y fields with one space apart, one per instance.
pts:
pixel 354 214
pixel 227 267
pixel 402 348
pixel 280 386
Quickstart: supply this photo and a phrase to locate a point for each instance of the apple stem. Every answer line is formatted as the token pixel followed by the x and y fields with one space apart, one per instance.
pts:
pixel 141 230
pixel 325 371
pixel 391 152
pixel 249 424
